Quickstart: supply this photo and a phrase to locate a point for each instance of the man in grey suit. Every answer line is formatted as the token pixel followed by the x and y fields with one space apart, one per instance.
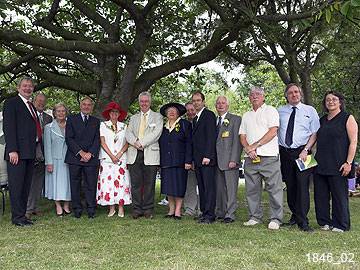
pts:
pixel 143 156
pixel 228 151
pixel 38 178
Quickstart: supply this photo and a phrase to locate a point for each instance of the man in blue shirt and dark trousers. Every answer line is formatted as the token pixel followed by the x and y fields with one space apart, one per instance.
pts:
pixel 297 134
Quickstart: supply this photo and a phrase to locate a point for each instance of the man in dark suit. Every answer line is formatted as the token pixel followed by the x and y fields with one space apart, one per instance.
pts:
pixel 204 155
pixel 22 130
pixel 83 141
pixel 38 178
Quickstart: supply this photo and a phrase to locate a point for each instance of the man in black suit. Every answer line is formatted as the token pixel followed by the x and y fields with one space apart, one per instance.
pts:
pixel 83 142
pixel 22 131
pixel 204 155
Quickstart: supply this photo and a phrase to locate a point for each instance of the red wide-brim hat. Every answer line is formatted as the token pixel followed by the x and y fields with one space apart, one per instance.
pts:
pixel 114 106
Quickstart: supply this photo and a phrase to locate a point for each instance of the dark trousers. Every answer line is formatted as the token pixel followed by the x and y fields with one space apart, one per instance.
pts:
pixel 37 186
pixel 205 176
pixel 332 187
pixel 90 174
pixel 142 185
pixel 297 185
pixel 19 178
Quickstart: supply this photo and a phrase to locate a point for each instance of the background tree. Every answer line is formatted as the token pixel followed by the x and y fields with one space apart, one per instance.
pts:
pixel 116 49
pixel 295 48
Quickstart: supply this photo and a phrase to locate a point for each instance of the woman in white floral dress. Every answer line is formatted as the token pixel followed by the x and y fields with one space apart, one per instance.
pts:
pixel 113 186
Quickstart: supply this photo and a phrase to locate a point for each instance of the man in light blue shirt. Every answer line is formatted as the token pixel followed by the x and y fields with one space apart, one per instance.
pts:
pixel 297 134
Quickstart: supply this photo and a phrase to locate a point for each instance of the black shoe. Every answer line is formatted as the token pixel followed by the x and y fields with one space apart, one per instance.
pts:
pixel 306 229
pixel 91 216
pixel 219 218
pixel 148 216
pixel 200 219
pixel 77 215
pixel 177 217
pixel 228 220
pixel 207 221
pixel 21 224
pixel 28 221
pixel 169 216
pixel 66 213
pixel 290 223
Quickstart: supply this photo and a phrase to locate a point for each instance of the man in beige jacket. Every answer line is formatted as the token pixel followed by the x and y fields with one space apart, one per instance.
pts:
pixel 143 156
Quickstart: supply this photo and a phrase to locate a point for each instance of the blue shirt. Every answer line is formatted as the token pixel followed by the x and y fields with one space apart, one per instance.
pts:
pixel 306 123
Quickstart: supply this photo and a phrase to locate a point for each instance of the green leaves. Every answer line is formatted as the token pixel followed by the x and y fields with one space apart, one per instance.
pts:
pixel 345 8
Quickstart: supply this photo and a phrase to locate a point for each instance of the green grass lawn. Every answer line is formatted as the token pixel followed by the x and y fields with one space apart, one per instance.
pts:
pixel 124 243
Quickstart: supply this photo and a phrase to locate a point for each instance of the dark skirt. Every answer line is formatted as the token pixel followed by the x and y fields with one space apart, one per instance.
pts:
pixel 173 181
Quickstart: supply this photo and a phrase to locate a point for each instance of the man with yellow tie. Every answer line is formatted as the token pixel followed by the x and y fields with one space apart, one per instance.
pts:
pixel 143 156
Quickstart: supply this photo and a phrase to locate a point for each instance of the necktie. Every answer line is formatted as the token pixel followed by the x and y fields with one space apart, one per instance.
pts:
pixel 142 126
pixel 86 119
pixel 290 128
pixel 37 122
pixel 218 125
pixel 195 121
pixel 41 118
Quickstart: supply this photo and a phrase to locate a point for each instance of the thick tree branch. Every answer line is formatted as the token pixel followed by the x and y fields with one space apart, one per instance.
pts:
pixel 215 46
pixel 93 15
pixel 149 6
pixel 53 44
pixel 86 87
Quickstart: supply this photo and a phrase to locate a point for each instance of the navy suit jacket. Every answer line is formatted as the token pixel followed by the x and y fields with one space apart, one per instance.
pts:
pixel 204 138
pixel 79 136
pixel 19 129
pixel 175 146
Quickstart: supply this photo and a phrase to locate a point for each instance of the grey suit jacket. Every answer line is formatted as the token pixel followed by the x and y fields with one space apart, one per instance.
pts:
pixel 149 142
pixel 228 147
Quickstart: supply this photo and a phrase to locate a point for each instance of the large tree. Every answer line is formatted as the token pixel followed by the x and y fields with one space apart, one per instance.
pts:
pixel 295 48
pixel 116 49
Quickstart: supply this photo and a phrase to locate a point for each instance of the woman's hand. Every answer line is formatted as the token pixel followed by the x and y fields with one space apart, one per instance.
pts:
pixel 345 168
pixel 114 159
pixel 187 166
pixel 49 168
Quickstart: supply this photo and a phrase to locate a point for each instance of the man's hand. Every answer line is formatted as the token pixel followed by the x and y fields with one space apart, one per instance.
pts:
pixel 205 161
pixel 187 166
pixel 303 155
pixel 138 145
pixel 251 148
pixel 252 155
pixel 14 158
pixel 232 165
pixel 49 168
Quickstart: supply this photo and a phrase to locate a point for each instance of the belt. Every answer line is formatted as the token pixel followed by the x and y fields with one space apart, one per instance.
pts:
pixel 292 149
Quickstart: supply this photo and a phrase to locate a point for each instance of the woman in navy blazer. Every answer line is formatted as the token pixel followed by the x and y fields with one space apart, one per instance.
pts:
pixel 175 156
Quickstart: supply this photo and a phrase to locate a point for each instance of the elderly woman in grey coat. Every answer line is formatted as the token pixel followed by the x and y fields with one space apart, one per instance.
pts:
pixel 57 177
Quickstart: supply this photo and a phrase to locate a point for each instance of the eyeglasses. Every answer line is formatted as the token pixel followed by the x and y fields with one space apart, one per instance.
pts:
pixel 328 100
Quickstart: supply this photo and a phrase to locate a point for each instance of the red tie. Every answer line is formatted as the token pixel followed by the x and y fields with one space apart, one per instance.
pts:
pixel 38 126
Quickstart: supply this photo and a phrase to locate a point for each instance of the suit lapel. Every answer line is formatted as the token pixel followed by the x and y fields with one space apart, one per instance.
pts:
pixel 25 107
pixel 199 119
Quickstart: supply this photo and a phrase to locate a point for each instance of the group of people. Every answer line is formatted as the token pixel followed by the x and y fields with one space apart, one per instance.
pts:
pixel 198 156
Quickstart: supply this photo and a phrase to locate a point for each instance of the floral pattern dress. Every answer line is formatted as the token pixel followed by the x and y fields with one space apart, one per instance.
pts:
pixel 113 185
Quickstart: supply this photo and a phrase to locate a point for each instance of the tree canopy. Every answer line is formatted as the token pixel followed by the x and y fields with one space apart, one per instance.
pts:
pixel 116 49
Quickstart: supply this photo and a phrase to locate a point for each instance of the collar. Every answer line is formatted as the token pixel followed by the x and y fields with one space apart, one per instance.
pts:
pixel 83 115
pixel 223 116
pixel 289 106
pixel 170 128
pixel 260 108
pixel 23 99
pixel 147 113
pixel 199 113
